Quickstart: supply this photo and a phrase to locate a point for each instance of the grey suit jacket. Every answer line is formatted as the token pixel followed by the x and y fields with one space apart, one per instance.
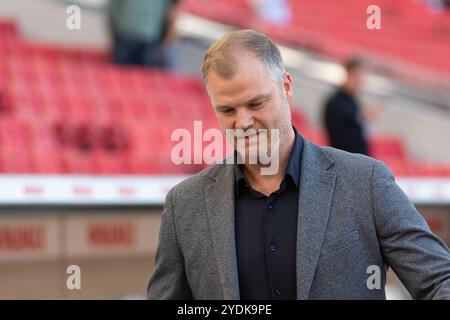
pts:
pixel 352 216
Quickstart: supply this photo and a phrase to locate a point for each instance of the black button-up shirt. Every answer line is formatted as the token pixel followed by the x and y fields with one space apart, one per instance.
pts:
pixel 266 234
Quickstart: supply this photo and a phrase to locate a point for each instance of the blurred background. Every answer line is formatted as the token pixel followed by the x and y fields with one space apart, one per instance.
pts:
pixel 89 97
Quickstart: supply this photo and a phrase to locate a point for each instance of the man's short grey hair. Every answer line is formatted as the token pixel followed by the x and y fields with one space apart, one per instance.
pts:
pixel 222 57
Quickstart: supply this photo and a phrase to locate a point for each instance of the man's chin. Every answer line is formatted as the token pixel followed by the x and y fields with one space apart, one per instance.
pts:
pixel 250 154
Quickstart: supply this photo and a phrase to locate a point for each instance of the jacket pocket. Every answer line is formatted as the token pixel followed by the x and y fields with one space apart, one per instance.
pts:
pixel 347 241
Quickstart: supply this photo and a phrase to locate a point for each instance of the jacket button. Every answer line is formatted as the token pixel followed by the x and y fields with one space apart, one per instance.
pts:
pixel 277 292
pixel 273 248
pixel 269 207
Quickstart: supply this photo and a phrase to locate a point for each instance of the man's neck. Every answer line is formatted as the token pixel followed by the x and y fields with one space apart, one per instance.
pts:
pixel 267 184
pixel 348 90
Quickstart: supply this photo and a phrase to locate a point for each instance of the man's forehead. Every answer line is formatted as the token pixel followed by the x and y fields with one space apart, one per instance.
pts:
pixel 252 73
pixel 240 63
pixel 237 90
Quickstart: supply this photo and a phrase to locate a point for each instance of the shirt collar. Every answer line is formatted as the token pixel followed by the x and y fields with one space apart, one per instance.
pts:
pixel 292 169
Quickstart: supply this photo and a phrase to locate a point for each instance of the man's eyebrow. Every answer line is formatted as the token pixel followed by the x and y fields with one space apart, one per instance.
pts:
pixel 221 107
pixel 252 100
pixel 258 98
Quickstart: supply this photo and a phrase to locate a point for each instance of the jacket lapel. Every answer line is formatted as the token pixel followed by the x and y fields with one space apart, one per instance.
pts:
pixel 219 195
pixel 317 181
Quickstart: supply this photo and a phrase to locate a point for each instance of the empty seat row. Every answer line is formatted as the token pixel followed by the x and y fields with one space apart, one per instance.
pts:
pixel 341 29
pixel 68 112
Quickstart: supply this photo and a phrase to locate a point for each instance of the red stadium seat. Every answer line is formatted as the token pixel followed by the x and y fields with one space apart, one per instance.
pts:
pixel 387 147
pixel 78 162
pixel 66 111
pixel 339 30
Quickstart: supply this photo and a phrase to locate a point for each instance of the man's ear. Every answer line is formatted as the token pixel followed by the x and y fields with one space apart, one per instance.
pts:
pixel 287 86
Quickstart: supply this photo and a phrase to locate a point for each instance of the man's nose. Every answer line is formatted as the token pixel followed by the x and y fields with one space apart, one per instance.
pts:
pixel 244 119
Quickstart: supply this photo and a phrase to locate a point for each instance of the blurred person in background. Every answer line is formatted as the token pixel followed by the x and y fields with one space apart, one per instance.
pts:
pixel 438 6
pixel 143 32
pixel 277 12
pixel 345 121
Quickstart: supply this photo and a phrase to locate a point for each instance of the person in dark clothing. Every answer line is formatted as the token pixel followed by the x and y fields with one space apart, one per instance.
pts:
pixel 142 31
pixel 343 119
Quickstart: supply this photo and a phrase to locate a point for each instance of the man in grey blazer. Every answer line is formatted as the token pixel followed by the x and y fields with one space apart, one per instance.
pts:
pixel 326 225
